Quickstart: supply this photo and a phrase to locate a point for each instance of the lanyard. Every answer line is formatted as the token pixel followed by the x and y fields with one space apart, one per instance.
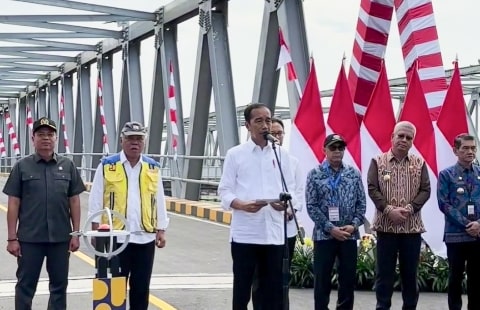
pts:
pixel 333 181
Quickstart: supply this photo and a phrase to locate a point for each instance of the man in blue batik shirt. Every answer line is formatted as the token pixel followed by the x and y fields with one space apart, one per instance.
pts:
pixel 336 203
pixel 458 197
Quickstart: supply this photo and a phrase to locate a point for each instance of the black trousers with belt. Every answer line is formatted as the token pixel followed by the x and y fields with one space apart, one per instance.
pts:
pixel 268 259
pixel 136 264
pixel 459 254
pixel 256 294
pixel 405 247
pixel 28 272
pixel 326 252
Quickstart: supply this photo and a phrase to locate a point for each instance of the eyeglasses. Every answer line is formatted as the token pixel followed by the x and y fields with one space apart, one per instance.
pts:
pixel 277 134
pixel 333 148
pixel 403 136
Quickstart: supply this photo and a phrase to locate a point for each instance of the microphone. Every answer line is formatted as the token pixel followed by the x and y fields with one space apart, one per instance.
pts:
pixel 267 136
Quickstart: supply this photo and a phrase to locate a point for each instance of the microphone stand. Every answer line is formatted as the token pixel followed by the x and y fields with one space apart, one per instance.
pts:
pixel 286 198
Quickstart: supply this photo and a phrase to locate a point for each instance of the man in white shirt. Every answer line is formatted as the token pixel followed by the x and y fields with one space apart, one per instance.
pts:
pixel 130 183
pixel 250 182
pixel 278 131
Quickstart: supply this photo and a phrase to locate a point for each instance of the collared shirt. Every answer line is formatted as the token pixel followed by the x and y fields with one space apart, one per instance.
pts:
pixel 44 189
pixel 299 190
pixel 327 188
pixel 251 173
pixel 457 187
pixel 95 201
pixel 398 183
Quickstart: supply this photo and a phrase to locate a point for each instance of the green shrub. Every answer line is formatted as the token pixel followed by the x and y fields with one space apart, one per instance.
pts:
pixel 432 269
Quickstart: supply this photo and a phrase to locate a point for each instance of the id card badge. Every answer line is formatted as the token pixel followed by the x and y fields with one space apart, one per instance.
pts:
pixel 471 209
pixel 333 214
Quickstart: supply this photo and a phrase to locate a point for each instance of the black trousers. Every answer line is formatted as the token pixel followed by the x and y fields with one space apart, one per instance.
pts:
pixel 136 264
pixel 246 259
pixel 459 254
pixel 326 252
pixel 28 273
pixel 405 247
pixel 256 295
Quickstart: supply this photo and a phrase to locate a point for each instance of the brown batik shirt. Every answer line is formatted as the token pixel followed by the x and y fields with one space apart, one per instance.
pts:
pixel 396 183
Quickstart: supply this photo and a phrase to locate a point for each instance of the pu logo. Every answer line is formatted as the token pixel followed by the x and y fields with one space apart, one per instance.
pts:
pixel 110 293
pixel 44 121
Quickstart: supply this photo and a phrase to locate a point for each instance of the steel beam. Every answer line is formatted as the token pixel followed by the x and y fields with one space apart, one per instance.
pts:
pixel 291 20
pixel 135 82
pixel 63 46
pixel 22 126
pixel 158 102
pixel 169 55
pixel 53 111
pixel 42 103
pixel 67 88
pixel 82 141
pixel 197 131
pixel 76 29
pixel 48 35
pixel 67 18
pixel 94 8
pixel 265 87
pixel 28 134
pixel 222 83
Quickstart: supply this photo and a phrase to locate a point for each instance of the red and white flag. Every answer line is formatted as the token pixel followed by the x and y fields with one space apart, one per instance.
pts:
pixel 62 121
pixel 285 60
pixel 376 129
pixel 3 152
pixel 451 122
pixel 307 135
pixel 13 135
pixel 103 121
pixel 343 120
pixel 29 118
pixel 416 111
pixel 172 103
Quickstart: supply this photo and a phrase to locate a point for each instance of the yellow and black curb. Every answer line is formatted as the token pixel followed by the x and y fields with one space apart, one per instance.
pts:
pixel 200 209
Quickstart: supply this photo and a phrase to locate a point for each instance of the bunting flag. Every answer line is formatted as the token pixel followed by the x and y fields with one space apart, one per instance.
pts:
pixel 419 39
pixel 62 121
pixel 13 135
pixel 342 119
pixel 285 60
pixel 3 152
pixel 172 103
pixel 102 114
pixel 369 46
pixel 308 134
pixel 376 130
pixel 415 110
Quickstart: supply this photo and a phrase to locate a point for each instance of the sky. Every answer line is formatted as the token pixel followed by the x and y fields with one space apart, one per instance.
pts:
pixel 330 27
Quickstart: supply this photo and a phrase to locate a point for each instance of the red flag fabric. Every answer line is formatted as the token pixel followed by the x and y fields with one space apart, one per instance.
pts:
pixel 376 129
pixel 285 58
pixel 452 120
pixel 307 136
pixel 342 118
pixel 415 110
pixel 379 117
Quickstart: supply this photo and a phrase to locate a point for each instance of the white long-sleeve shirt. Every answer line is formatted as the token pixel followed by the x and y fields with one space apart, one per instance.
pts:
pixel 299 190
pixel 95 202
pixel 251 173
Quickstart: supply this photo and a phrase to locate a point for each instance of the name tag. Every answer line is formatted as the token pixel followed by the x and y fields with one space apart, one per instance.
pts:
pixel 471 209
pixel 334 214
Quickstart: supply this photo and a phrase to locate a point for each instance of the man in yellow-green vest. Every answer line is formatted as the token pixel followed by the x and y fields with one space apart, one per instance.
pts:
pixel 130 183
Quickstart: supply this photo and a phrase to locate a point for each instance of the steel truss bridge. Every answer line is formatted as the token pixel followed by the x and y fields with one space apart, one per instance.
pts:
pixel 37 66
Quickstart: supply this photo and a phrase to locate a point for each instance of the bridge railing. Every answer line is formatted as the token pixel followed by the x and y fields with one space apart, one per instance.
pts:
pixel 211 171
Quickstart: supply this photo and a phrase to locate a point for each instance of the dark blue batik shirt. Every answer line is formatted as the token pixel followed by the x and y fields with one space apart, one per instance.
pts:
pixel 343 188
pixel 457 187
